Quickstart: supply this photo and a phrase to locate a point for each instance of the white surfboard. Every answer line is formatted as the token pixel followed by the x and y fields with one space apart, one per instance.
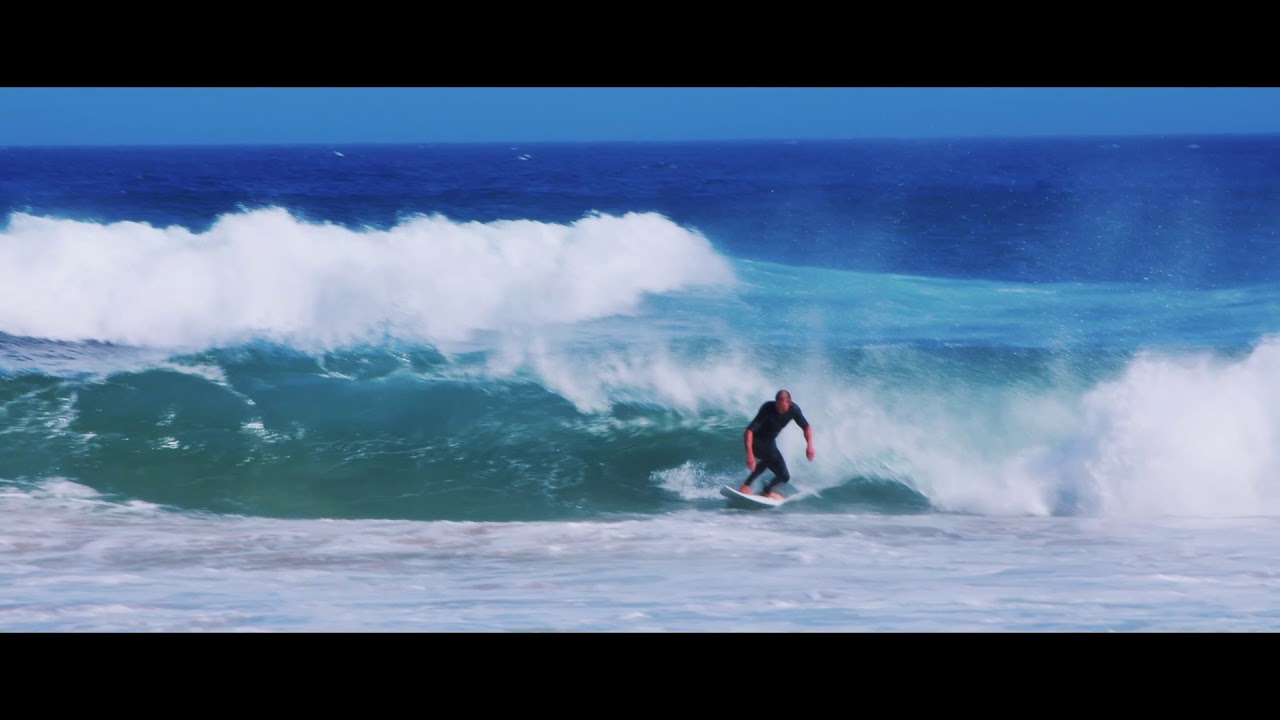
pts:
pixel 754 501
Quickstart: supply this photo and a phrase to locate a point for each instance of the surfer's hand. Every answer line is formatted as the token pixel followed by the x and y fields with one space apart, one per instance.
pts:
pixel 751 462
pixel 809 452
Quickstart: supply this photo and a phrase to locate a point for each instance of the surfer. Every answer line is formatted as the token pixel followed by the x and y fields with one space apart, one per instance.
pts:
pixel 761 441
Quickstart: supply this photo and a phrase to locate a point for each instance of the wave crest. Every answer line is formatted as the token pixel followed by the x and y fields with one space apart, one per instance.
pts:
pixel 266 275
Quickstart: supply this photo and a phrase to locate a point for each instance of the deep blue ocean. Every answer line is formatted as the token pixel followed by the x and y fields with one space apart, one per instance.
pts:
pixel 497 387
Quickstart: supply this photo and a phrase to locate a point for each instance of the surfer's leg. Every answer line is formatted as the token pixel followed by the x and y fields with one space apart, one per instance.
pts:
pixel 746 484
pixel 780 475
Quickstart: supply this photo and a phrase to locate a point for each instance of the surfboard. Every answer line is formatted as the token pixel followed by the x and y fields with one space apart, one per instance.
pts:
pixel 752 501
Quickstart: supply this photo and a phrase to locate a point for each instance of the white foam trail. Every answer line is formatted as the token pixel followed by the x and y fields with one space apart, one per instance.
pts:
pixel 266 274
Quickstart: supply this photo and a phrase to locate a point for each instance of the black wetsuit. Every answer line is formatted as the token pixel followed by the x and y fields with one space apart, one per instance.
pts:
pixel 764 436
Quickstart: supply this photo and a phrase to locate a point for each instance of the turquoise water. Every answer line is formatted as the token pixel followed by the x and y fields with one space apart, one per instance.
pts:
pixel 483 388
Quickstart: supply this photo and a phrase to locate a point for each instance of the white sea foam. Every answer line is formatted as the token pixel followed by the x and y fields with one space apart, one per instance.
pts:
pixel 266 274
pixel 73 562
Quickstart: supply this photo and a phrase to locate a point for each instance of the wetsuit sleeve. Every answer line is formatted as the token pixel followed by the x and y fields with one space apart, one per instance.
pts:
pixel 755 425
pixel 799 417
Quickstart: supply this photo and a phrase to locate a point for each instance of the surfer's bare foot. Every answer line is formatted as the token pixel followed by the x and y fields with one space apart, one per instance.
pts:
pixel 745 489
pixel 774 495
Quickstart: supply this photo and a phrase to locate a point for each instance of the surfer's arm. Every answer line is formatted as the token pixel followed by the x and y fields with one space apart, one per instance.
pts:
pixel 749 436
pixel 803 422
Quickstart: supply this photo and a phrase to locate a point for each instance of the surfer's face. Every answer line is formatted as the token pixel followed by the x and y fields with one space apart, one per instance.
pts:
pixel 784 404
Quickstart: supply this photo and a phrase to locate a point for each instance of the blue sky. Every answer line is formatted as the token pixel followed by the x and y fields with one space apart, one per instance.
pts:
pixel 305 115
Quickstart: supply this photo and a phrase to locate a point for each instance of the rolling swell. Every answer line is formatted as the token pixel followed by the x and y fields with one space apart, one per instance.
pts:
pixel 865 494
pixel 269 431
